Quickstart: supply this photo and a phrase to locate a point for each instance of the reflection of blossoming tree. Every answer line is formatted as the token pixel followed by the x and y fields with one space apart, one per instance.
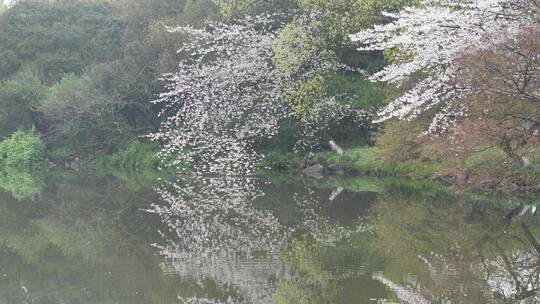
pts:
pixel 491 259
pixel 216 232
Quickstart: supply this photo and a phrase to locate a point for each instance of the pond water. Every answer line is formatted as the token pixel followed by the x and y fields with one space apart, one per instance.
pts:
pixel 69 237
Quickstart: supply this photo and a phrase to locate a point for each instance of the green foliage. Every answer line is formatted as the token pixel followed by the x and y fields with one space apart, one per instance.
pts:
pixel 58 37
pixel 296 49
pixel 231 9
pixel 22 150
pixel 310 99
pixel 531 173
pixel 328 35
pixel 22 160
pixel 82 115
pixel 367 161
pixel 342 17
pixel 46 45
pixel 485 159
pixel 75 96
pixel 22 184
pixel 306 94
pixel 486 165
pixel 198 11
pixel 400 142
pixel 19 97
pixel 82 72
pixel 136 155
pixel 346 89
pixel 276 161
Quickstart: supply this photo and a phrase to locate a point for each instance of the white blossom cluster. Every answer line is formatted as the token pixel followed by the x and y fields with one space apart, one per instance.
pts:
pixel 427 42
pixel 223 97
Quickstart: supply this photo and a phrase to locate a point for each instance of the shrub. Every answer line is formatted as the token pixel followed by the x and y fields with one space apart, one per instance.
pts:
pixel 21 184
pixel 400 142
pixel 23 150
pixel 279 162
pixel 136 155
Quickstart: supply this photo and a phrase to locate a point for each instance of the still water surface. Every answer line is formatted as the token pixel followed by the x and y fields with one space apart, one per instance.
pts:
pixel 129 238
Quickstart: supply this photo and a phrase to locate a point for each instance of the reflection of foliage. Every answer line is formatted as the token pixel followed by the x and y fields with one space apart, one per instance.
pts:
pixel 325 272
pixel 219 225
pixel 455 250
pixel 84 240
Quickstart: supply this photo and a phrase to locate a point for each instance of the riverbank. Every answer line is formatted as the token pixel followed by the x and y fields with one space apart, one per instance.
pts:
pixel 358 162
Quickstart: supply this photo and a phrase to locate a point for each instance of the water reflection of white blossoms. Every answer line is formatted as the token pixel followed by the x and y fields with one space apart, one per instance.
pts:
pixel 320 229
pixel 216 232
pixel 515 277
pixel 213 215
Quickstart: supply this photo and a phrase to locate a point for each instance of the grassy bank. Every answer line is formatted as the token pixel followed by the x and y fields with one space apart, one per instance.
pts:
pixel 354 162
pixel 358 162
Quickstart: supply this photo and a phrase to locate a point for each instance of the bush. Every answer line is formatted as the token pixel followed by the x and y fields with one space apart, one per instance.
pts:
pixel 399 142
pixel 136 155
pixel 21 184
pixel 19 97
pixel 23 150
pixel 279 162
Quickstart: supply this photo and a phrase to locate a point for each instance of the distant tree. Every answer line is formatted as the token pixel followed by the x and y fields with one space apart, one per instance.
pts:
pixel 19 98
pixel 57 37
pixel 232 9
pixel 138 15
pixel 83 116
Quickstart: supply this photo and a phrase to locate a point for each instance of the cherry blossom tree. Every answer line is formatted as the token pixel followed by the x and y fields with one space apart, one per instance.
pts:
pixel 225 95
pixel 426 42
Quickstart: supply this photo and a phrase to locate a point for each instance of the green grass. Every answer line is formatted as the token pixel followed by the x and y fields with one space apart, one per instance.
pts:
pixel 355 161
pixel 136 155
pixel 367 161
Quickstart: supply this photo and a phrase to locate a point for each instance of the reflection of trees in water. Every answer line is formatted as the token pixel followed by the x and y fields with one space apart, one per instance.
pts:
pixel 213 226
pixel 82 241
pixel 320 228
pixel 217 231
pixel 515 274
pixel 20 183
pixel 209 215
pixel 459 252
